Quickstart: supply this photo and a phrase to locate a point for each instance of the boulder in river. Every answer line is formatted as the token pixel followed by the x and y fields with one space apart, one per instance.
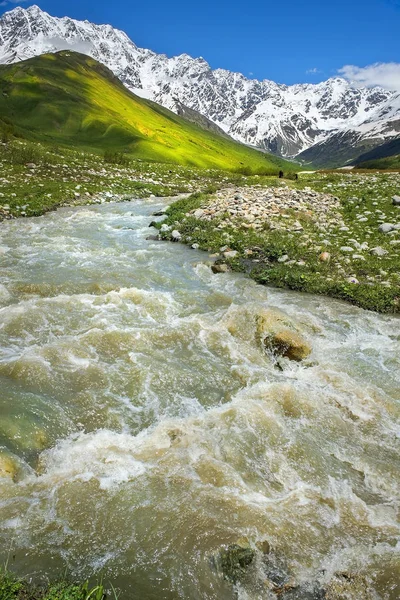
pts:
pixel 233 561
pixel 8 466
pixel 220 268
pixel 279 335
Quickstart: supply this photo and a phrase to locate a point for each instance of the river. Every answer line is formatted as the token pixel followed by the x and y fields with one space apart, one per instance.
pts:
pixel 146 436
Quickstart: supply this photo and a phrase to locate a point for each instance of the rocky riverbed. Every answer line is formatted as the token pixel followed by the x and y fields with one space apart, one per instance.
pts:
pixel 310 239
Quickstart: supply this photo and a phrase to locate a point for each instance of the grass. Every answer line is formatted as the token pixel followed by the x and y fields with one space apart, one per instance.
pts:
pixel 69 99
pixel 389 163
pixel 359 277
pixel 13 588
pixel 36 178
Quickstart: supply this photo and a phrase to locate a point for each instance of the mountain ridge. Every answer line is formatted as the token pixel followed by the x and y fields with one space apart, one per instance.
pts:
pixel 285 120
pixel 71 99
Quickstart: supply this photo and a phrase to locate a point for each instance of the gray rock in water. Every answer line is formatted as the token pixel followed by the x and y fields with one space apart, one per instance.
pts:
pixel 159 213
pixel 396 200
pixel 153 238
pixel 386 227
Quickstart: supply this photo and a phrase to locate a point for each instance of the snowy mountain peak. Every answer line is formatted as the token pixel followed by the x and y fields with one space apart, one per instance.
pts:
pixel 283 119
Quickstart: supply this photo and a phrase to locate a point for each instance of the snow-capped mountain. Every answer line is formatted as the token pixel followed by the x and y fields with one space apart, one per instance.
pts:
pixel 286 120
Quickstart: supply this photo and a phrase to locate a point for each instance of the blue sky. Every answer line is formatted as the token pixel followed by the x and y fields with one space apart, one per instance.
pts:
pixel 288 41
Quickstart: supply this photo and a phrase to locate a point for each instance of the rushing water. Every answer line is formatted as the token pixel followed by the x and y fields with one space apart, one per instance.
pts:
pixel 150 429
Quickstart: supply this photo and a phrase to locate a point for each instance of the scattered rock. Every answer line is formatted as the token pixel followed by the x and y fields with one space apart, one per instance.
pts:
pixel 379 251
pixel 325 257
pixel 386 227
pixel 283 259
pixel 396 200
pixel 195 246
pixel 346 249
pixel 231 254
pixel 176 236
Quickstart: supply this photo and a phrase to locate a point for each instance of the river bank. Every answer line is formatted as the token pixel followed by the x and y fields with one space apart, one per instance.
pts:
pixel 331 234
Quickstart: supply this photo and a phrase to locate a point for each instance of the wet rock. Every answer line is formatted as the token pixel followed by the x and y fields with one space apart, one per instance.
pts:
pixel 8 466
pixel 154 238
pixel 289 344
pixel 348 585
pixel 234 561
pixel 158 213
pixel 278 334
pixel 220 268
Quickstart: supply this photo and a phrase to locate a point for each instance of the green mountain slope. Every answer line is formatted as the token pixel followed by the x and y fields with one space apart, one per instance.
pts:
pixel 68 98
pixel 386 156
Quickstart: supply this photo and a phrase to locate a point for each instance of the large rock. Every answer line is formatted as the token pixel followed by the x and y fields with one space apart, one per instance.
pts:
pixel 233 561
pixel 278 334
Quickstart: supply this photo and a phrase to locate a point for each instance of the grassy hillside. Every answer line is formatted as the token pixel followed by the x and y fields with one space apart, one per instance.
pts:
pixel 386 156
pixel 70 99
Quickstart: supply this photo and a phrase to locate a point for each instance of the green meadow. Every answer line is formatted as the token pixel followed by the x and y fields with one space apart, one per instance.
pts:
pixel 72 100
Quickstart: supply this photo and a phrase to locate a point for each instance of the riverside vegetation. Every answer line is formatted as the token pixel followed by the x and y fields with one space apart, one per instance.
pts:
pixel 320 234
pixel 328 233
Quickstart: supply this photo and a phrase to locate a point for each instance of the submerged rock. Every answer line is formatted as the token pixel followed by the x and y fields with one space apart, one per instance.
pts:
pixel 220 268
pixel 348 585
pixel 234 561
pixel 8 466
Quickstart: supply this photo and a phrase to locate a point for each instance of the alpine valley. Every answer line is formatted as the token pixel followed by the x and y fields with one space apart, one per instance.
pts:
pixel 328 124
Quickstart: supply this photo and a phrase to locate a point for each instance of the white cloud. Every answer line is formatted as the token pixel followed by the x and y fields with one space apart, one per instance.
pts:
pixel 313 71
pixel 386 75
pixel 7 2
